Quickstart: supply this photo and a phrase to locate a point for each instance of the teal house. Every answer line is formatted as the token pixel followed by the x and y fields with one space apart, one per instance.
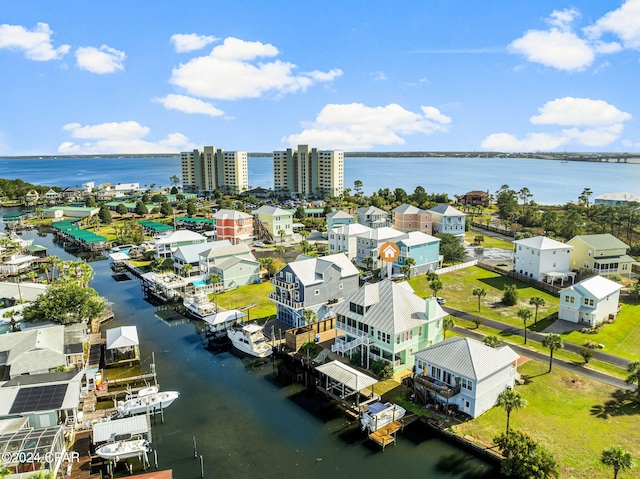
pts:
pixel 423 248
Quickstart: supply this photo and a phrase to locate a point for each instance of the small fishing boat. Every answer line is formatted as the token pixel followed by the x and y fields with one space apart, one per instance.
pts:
pixel 118 450
pixel 147 400
pixel 249 339
pixel 378 415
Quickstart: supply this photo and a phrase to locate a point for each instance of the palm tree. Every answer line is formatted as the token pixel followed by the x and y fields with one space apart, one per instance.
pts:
pixel 617 458
pixel 480 293
pixel 409 262
pixel 215 279
pixel 435 286
pixel 552 341
pixel 186 269
pixel 309 317
pixel 492 341
pixel 537 301
pixel 525 314
pixel 634 376
pixel 447 324
pixel 280 250
pixel 282 233
pixel 266 263
pixel 510 400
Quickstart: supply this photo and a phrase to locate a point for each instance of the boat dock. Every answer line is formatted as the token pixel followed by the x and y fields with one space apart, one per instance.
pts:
pixel 387 434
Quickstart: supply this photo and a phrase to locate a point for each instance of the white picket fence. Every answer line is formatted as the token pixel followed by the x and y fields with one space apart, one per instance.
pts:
pixel 455 267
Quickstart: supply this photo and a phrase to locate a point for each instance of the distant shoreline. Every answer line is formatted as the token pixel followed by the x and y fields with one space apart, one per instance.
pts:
pixel 631 158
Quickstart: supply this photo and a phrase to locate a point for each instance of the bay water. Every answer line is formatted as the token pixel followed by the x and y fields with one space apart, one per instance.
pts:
pixel 550 181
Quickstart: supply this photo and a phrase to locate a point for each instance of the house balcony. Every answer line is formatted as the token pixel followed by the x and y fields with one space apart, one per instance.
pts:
pixel 284 285
pixel 343 328
pixel 286 302
pixel 436 386
pixel 341 345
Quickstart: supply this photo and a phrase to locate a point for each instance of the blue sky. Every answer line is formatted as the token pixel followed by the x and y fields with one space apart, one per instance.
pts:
pixel 81 77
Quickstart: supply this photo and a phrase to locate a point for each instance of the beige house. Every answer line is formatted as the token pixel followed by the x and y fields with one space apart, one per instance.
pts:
pixel 602 254
pixel 408 218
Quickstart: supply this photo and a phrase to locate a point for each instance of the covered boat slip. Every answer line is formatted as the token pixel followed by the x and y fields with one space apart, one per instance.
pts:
pixel 341 382
pixel 222 320
pixel 134 426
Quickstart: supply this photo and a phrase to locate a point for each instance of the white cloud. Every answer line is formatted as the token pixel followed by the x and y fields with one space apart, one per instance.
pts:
pixel 579 111
pixel 379 76
pixel 100 60
pixel 561 48
pixel 558 49
pixel 188 104
pixel 36 43
pixel 233 70
pixel 187 42
pixel 124 137
pixel 359 127
pixel 592 123
pixel 623 22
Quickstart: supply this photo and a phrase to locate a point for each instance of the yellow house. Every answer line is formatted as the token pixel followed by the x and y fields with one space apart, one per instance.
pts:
pixel 602 254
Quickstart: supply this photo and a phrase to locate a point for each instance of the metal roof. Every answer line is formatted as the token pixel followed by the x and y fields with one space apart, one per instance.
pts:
pixel 468 357
pixel 104 431
pixel 542 243
pixel 601 241
pixel 352 378
pixel 596 286
pixel 122 337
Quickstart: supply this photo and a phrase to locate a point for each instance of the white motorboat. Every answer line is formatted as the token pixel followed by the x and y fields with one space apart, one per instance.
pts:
pixel 378 415
pixel 249 339
pixel 115 451
pixel 151 400
pixel 199 306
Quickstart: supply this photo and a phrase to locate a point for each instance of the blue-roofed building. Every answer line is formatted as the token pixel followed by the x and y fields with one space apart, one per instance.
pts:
pixel 339 218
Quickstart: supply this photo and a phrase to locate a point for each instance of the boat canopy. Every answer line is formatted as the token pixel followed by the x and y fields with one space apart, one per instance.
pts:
pixel 224 317
pixel 351 378
pixel 108 430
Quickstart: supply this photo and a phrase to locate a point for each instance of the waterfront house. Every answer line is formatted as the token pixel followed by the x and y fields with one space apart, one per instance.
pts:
pixel 190 254
pixel 58 397
pixel 52 196
pixel 69 211
pixel 167 244
pixel 408 218
pixel 387 321
pixel 235 226
pixel 273 224
pixel 31 198
pixel 602 254
pixel 590 301
pixel 542 259
pixel 368 245
pixel 617 199
pixel 466 373
pixel 15 264
pixel 123 346
pixel 424 249
pixel 447 219
pixel 373 217
pixel 235 264
pixel 69 194
pixel 344 238
pixel 33 351
pixel 474 198
pixel 339 218
pixel 312 283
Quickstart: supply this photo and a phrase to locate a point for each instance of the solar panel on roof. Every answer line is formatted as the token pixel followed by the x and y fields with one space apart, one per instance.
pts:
pixel 40 398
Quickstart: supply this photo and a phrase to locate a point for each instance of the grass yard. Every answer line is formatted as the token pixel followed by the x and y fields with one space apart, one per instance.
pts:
pixel 575 417
pixel 245 295
pixel 488 242
pixel 621 338
pixel 459 285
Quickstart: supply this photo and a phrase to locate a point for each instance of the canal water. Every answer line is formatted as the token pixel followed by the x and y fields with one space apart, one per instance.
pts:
pixel 245 424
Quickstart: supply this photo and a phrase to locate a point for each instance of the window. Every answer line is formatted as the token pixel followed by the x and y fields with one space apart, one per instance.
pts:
pixel 436 372
pixel 316 292
pixel 570 299
pixel 625 266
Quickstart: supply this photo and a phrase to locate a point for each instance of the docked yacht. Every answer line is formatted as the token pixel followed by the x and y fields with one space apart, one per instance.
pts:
pixel 199 306
pixel 147 400
pixel 118 450
pixel 249 339
pixel 378 415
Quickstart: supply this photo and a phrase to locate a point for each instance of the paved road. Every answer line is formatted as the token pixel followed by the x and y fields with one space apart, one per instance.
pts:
pixel 538 337
pixel 557 363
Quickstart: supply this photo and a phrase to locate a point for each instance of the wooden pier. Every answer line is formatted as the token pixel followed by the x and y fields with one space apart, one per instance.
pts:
pixel 81 468
pixel 387 434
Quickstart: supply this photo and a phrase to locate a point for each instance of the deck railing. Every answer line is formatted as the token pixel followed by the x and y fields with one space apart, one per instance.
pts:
pixel 286 302
pixel 441 389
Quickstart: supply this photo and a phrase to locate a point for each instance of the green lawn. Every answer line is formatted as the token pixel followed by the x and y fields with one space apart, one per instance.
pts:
pixel 488 241
pixel 621 338
pixel 245 295
pixel 459 285
pixel 574 417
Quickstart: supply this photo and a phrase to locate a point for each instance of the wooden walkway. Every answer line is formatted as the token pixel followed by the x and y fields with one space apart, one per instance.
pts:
pixel 81 468
pixel 386 435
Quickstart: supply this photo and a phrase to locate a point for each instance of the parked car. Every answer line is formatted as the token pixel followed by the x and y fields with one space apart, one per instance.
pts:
pixel 366 276
pixel 397 277
pixel 440 300
pixel 258 244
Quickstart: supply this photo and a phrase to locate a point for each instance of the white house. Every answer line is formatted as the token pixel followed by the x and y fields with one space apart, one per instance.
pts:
pixel 447 219
pixel 166 245
pixel 465 372
pixel 590 301
pixel 344 238
pixel 542 259
pixel 369 243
